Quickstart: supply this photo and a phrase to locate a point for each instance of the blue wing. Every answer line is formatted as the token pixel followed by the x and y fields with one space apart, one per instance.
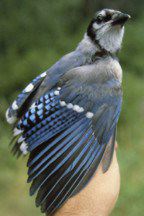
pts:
pixel 22 101
pixel 42 83
pixel 66 132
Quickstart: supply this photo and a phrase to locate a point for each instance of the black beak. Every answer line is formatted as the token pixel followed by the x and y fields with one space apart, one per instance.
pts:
pixel 121 19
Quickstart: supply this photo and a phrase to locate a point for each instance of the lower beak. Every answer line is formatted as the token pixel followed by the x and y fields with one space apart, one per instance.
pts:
pixel 121 19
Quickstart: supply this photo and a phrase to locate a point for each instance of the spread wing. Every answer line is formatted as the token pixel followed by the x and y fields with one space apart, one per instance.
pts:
pixel 66 132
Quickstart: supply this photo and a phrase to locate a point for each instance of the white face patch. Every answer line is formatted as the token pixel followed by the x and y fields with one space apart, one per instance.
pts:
pixel 102 13
pixel 96 26
pixel 111 39
pixel 107 35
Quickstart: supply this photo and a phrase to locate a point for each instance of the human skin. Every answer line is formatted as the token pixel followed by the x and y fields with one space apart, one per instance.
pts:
pixel 98 198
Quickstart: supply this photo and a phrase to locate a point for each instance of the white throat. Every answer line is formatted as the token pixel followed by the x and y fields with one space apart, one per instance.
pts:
pixel 111 41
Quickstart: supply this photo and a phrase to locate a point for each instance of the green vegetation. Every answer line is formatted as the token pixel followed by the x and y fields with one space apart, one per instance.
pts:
pixel 33 35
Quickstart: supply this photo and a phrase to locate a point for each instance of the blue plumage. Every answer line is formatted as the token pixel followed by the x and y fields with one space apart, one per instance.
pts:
pixel 64 119
pixel 24 96
pixel 64 138
pixel 59 154
pixel 41 198
pixel 66 131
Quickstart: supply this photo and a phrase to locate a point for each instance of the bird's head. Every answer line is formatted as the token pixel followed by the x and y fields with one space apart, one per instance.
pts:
pixel 106 29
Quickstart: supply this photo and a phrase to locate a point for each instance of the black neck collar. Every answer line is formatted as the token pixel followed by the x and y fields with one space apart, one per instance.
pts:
pixel 92 35
pixel 102 53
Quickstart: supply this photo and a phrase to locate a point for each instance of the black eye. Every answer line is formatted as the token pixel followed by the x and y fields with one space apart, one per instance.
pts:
pixel 99 18
pixel 108 18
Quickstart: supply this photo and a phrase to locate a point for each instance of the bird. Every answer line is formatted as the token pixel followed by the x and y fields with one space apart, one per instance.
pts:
pixel 66 118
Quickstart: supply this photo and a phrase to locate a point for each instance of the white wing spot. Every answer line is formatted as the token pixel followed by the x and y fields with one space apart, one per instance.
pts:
pixel 17 131
pixel 78 108
pixel 21 139
pixel 10 120
pixel 29 88
pixel 89 114
pixel 14 105
pixel 24 148
pixel 81 109
pixel 95 26
pixel 62 103
pixel 103 13
pixel 70 106
pixel 56 92
pixel 59 88
pixel 33 105
pixel 43 74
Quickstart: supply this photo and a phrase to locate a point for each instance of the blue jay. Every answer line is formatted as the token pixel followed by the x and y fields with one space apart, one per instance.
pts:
pixel 66 117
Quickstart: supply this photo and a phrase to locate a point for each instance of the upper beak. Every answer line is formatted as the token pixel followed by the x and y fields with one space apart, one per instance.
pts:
pixel 121 19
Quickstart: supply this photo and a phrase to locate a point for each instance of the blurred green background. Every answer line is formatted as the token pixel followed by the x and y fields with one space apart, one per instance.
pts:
pixel 35 34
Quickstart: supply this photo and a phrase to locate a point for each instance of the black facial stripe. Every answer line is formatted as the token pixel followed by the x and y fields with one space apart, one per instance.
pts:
pixel 99 19
pixel 103 18
pixel 92 35
pixel 108 17
pixel 90 30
